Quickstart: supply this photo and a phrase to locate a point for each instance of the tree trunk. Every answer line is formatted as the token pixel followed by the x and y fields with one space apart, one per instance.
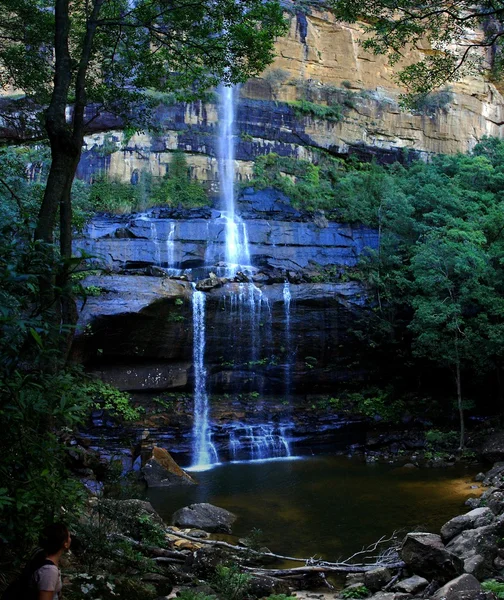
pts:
pixel 458 381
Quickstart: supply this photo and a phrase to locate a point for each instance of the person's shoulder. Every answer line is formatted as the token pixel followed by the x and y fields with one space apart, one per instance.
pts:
pixel 47 572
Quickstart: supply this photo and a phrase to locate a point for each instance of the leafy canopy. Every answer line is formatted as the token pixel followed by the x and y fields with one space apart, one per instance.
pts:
pixel 122 47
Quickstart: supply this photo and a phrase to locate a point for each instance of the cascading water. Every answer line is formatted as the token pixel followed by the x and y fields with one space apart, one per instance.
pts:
pixel 288 352
pixel 170 251
pixel 204 451
pixel 237 253
pixel 258 442
pixel 248 316
pixel 155 239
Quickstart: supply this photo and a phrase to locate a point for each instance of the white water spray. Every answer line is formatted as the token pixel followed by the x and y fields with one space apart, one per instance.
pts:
pixel 287 303
pixel 237 250
pixel 204 452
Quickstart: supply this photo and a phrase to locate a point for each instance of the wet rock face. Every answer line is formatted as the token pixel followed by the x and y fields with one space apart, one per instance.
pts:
pixel 260 335
pixel 279 236
pixel 254 340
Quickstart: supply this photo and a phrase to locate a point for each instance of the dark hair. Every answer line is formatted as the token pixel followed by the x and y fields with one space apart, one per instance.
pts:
pixel 53 537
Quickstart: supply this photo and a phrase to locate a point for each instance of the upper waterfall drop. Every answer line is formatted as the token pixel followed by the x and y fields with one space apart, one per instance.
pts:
pixel 237 254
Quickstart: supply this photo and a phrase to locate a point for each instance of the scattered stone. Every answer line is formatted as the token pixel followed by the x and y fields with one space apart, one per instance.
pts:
pixel 472 502
pixel 466 586
pixel 355 578
pixel 496 503
pixel 205 285
pixel 495 475
pixel 204 516
pixel 409 466
pixel 162 471
pixel 163 584
pixel 198 533
pixel 478 517
pixel 411 585
pixel 498 563
pixel 427 556
pixel 263 586
pixel 479 477
pixel 377 578
pixel 477 548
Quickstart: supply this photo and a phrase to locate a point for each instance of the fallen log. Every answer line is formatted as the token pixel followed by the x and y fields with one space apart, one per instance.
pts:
pixel 322 568
pixel 311 565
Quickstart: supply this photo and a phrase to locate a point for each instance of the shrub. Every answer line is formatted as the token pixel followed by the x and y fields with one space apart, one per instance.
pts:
pixel 360 591
pixel 442 439
pixel 230 583
pixel 429 104
pixel 491 585
pixel 333 114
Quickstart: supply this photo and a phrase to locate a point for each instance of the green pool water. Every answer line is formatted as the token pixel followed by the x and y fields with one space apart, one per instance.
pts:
pixel 328 506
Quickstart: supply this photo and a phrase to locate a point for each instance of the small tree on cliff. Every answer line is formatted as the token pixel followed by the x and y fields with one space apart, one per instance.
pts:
pixel 395 25
pixel 67 56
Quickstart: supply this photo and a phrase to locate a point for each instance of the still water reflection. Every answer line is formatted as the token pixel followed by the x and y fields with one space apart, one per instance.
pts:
pixel 326 506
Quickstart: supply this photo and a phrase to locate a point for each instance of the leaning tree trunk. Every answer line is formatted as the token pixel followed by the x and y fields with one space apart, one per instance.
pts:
pixel 458 381
pixel 66 139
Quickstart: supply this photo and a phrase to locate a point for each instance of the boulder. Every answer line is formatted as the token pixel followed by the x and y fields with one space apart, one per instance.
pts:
pixel 426 555
pixel 162 471
pixel 477 548
pixel 478 517
pixel 204 516
pixel 411 585
pixel 493 447
pixel 263 586
pixel 377 578
pixel 495 476
pixel 495 502
pixel 465 587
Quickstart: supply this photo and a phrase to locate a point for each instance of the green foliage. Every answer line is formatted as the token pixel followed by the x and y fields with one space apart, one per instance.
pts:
pixel 177 188
pixel 360 591
pixel 230 583
pixel 441 439
pixel 253 539
pixel 377 404
pixel 303 108
pixel 491 585
pixel 109 398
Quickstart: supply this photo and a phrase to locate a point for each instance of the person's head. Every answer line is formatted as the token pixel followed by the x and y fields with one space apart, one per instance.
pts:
pixel 54 538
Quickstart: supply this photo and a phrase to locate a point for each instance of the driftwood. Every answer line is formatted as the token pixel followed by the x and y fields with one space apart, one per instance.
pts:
pixel 166 560
pixel 311 565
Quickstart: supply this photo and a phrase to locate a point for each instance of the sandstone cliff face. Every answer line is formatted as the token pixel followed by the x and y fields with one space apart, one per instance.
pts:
pixel 319 60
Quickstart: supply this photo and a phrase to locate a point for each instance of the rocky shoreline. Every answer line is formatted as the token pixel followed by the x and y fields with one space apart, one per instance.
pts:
pixel 142 554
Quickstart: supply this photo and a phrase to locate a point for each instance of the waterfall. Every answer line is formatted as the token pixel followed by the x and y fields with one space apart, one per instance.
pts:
pixel 204 452
pixel 287 302
pixel 155 239
pixel 237 253
pixel 258 442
